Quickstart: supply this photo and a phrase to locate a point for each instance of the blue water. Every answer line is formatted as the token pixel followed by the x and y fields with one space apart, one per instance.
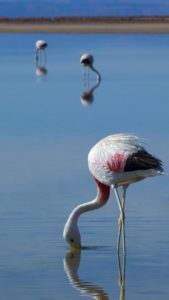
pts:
pixel 46 131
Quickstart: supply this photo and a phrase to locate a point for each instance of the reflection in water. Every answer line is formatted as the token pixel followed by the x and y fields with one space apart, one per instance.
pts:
pixel 41 70
pixel 122 271
pixel 122 256
pixel 121 260
pixel 71 264
pixel 87 97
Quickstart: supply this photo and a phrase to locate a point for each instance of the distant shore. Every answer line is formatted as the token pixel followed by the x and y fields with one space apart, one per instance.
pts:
pixel 142 25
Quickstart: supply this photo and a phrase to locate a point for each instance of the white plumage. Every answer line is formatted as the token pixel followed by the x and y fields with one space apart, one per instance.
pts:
pixel 108 157
pixel 87 60
pixel 40 45
pixel 117 160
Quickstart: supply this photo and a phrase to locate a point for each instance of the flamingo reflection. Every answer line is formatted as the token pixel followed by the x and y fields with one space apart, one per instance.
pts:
pixel 71 264
pixel 41 70
pixel 121 260
pixel 87 97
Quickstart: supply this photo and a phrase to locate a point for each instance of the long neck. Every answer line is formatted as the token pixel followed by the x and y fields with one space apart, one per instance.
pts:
pixel 97 72
pixel 103 193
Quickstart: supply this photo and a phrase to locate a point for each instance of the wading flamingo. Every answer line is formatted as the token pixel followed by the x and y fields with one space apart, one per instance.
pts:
pixel 87 60
pixel 117 160
pixel 40 45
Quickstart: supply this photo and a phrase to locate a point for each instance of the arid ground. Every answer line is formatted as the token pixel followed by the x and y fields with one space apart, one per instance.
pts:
pixel 151 25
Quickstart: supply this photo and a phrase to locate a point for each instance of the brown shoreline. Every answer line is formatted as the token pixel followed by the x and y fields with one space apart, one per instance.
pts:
pixel 142 25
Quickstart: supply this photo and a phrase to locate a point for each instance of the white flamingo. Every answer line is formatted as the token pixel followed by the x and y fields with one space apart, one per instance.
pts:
pixel 40 45
pixel 117 160
pixel 87 60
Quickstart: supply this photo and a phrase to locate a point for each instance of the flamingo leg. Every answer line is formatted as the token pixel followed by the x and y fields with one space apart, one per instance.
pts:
pixel 121 202
pixel 120 208
pixel 122 264
pixel 123 221
pixel 88 73
pixel 124 237
pixel 45 56
pixel 84 74
pixel 121 269
pixel 36 55
pixel 40 56
pixel 119 238
pixel 121 205
pixel 124 196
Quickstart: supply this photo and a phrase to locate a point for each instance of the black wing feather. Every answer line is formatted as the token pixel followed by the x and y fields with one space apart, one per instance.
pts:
pixel 86 61
pixel 142 160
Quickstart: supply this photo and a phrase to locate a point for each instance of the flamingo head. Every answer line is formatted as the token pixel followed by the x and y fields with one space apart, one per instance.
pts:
pixel 71 235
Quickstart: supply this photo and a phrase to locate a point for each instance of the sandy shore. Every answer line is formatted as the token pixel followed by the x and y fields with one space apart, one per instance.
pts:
pixel 87 28
pixel 126 25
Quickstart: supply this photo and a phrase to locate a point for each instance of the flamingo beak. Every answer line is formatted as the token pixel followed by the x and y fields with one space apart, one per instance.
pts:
pixel 75 247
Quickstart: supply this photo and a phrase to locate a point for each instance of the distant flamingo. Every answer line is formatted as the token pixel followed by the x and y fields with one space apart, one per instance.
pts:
pixel 87 60
pixel 117 160
pixel 40 45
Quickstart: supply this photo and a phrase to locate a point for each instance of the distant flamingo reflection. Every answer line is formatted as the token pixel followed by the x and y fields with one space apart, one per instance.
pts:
pixel 87 97
pixel 41 70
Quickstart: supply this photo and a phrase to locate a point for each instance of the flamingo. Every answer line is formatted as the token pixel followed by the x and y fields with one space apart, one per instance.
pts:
pixel 115 161
pixel 87 60
pixel 40 45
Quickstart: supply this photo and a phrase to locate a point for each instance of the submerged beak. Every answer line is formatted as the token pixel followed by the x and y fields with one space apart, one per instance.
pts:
pixel 75 247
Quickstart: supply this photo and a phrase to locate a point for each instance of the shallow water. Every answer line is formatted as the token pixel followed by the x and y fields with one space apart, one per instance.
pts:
pixel 46 132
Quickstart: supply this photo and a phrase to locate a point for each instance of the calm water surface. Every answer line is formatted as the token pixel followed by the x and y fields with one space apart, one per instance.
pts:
pixel 46 131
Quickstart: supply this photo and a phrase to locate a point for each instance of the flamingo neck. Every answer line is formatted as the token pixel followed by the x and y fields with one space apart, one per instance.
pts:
pixel 97 72
pixel 103 192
